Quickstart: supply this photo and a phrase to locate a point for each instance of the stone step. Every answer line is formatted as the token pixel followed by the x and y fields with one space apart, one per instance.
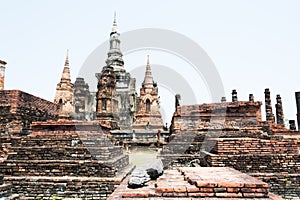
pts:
pixel 64 167
pixel 67 153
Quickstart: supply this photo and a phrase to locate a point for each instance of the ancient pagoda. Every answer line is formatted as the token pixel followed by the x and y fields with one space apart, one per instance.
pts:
pixel 64 92
pixel 125 84
pixel 148 116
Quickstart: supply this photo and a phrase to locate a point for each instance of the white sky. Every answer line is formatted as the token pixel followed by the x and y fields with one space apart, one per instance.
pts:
pixel 254 44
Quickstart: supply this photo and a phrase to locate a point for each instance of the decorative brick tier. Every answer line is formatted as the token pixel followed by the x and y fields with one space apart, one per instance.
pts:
pixel 69 159
pixel 49 187
pixel 199 182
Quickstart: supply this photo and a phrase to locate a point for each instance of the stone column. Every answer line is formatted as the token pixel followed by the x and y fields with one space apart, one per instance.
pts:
pixel 292 125
pixel 279 111
pixel 177 101
pixel 251 97
pixel 2 74
pixel 297 94
pixel 234 96
pixel 269 113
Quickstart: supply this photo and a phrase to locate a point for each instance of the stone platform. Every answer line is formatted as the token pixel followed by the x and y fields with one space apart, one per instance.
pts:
pixel 199 182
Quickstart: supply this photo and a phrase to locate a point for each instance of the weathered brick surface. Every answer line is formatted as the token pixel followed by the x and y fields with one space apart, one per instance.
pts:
pixel 66 159
pixel 6 192
pixel 186 145
pixel 233 134
pixel 19 109
pixel 216 183
pixel 187 115
pixel 272 158
pixel 275 161
pixel 5 143
pixel 62 187
pixel 285 184
pixel 251 163
pixel 235 146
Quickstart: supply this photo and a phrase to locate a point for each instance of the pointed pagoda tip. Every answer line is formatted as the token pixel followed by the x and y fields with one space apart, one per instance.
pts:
pixel 148 79
pixel 67 58
pixel 114 27
pixel 115 17
pixel 148 60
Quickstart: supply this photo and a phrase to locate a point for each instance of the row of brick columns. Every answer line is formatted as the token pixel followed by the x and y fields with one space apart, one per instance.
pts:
pixel 268 107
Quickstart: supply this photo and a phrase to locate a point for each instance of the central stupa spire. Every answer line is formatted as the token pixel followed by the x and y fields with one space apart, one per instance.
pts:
pixel 115 56
pixel 114 27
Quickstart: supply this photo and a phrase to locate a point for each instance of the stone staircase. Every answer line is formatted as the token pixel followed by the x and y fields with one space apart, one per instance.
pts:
pixel 65 159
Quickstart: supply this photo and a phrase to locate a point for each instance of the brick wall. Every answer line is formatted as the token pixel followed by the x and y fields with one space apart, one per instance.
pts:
pixel 187 116
pixel 275 161
pixel 18 109
pixel 284 184
pixel 62 187
pixel 234 146
pixel 269 163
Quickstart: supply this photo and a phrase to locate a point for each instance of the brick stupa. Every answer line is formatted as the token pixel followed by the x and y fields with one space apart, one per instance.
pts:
pixel 148 116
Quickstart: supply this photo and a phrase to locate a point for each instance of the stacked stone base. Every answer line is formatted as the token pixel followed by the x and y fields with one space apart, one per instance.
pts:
pixel 49 187
pixel 67 159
